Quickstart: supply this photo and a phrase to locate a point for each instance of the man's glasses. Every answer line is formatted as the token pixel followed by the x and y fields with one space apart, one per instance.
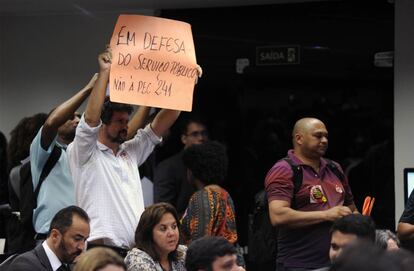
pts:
pixel 202 133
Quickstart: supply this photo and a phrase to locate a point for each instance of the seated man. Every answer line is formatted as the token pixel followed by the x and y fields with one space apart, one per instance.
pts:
pixel 211 253
pixel 348 229
pixel 65 241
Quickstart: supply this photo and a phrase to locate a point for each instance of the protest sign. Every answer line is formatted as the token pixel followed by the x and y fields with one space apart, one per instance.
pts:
pixel 153 62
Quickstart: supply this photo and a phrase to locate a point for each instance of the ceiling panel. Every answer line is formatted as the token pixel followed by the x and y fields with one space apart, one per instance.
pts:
pixel 48 7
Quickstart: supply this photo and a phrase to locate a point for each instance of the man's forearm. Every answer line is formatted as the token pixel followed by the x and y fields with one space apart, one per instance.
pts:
pixel 64 112
pixel 281 214
pixel 405 231
pixel 137 121
pixel 290 218
pixel 96 100
pixel 164 120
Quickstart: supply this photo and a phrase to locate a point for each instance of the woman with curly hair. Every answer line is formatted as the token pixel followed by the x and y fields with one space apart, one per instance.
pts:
pixel 156 241
pixel 210 210
pixel 21 137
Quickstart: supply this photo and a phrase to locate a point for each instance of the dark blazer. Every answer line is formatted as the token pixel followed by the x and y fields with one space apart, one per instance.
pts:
pixel 33 260
pixel 171 184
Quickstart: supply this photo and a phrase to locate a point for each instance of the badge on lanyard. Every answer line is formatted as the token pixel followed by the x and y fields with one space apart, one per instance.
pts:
pixel 317 195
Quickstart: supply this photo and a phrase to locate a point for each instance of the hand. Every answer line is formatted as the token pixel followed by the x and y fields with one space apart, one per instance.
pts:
pixel 199 73
pixel 91 83
pixel 105 60
pixel 337 212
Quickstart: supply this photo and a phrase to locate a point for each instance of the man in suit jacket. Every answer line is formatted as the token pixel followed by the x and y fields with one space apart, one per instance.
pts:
pixel 170 176
pixel 66 239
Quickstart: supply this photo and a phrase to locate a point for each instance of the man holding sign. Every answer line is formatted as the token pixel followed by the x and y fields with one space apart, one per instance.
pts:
pixel 105 166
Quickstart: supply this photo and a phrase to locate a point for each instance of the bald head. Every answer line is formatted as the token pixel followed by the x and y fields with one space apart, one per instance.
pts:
pixel 304 125
pixel 310 138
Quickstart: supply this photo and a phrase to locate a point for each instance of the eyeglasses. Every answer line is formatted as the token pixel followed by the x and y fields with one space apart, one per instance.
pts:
pixel 202 133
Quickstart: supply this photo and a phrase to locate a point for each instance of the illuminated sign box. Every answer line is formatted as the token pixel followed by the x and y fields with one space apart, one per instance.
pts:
pixel 277 55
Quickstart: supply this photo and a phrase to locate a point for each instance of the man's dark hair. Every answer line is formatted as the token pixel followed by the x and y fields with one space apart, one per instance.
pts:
pixel 187 120
pixel 109 108
pixel 207 161
pixel 364 255
pixel 62 220
pixel 204 251
pixel 22 136
pixel 362 226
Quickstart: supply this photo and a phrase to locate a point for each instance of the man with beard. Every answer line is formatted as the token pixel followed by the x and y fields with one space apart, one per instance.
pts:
pixel 65 241
pixel 304 214
pixel 57 190
pixel 105 168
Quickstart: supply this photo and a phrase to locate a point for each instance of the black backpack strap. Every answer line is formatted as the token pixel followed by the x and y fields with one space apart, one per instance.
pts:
pixel 297 174
pixel 14 180
pixel 335 170
pixel 50 163
pixel 297 179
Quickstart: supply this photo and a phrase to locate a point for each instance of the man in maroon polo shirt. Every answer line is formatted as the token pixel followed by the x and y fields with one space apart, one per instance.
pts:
pixel 304 219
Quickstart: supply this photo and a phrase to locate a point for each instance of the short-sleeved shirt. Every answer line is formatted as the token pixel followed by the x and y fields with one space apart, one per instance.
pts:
pixel 408 217
pixel 137 260
pixel 306 247
pixel 57 190
pixel 108 186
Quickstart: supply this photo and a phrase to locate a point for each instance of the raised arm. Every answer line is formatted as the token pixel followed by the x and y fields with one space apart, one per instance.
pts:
pixel 164 120
pixel 282 215
pixel 166 117
pixel 64 112
pixel 97 97
pixel 137 121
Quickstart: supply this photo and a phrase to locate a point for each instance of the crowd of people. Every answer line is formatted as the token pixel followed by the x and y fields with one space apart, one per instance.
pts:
pixel 90 214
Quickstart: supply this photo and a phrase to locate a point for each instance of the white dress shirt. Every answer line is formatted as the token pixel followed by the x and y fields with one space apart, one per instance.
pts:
pixel 108 186
pixel 53 259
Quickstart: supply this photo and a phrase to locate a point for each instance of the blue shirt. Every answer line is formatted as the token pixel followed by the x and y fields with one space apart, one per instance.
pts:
pixel 57 190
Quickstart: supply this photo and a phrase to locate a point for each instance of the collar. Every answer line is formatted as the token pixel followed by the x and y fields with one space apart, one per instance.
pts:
pixel 297 161
pixel 103 147
pixel 53 259
pixel 62 145
pixel 294 158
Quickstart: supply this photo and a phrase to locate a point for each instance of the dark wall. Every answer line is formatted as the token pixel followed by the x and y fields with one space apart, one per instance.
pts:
pixel 336 81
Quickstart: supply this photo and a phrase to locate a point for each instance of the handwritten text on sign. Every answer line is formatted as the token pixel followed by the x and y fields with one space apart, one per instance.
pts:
pixel 153 62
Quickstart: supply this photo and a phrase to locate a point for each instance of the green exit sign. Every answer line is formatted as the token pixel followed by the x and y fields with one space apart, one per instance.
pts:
pixel 277 55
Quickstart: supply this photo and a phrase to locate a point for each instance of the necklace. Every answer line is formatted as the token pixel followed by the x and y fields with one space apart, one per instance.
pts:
pixel 168 269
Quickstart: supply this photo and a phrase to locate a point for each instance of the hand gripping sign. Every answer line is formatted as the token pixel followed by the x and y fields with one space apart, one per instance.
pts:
pixel 153 63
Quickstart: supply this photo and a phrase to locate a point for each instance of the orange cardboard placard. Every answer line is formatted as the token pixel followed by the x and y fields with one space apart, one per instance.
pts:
pixel 153 62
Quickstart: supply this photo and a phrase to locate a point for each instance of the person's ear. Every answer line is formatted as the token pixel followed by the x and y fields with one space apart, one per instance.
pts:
pixel 55 235
pixel 298 139
pixel 184 139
